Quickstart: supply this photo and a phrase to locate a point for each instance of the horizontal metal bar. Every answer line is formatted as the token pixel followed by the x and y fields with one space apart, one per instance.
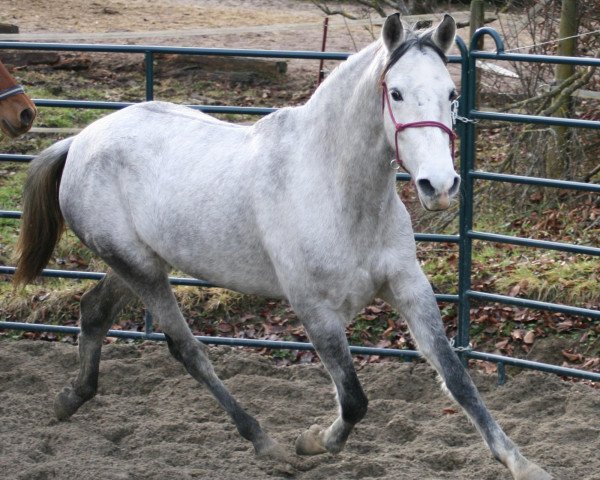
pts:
pixel 542 182
pixel 436 237
pixel 80 275
pixel 91 104
pixel 530 242
pixel 221 52
pixel 238 342
pixel 537 119
pixel 523 302
pixel 190 282
pixel 101 105
pixel 354 349
pixel 419 237
pixel 447 298
pixel 15 157
pixel 535 58
pixel 544 367
pixel 9 214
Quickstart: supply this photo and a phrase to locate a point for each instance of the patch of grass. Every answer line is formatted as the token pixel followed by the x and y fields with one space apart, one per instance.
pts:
pixel 567 280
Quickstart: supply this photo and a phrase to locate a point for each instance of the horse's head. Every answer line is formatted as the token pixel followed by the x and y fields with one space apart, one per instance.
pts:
pixel 417 95
pixel 17 111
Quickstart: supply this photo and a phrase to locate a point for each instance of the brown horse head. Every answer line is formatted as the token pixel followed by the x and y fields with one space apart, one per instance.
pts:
pixel 17 111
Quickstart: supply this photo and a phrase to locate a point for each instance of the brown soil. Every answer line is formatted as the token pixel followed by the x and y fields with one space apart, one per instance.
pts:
pixel 150 420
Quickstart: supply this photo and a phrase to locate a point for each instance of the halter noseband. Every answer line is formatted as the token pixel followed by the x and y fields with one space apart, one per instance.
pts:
pixel 402 126
pixel 9 92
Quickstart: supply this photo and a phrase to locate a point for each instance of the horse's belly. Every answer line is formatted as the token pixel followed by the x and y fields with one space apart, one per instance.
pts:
pixel 238 265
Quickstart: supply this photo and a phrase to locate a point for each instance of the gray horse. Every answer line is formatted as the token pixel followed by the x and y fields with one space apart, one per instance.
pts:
pixel 301 205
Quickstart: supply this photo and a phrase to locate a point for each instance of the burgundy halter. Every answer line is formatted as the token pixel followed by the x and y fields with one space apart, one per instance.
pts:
pixel 401 126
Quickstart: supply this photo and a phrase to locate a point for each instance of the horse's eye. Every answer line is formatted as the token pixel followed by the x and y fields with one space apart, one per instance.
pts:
pixel 397 96
pixel 453 95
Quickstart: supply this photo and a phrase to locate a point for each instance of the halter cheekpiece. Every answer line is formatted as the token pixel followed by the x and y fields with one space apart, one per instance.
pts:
pixel 9 92
pixel 402 126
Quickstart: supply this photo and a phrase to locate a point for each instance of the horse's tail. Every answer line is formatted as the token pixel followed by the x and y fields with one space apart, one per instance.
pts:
pixel 42 222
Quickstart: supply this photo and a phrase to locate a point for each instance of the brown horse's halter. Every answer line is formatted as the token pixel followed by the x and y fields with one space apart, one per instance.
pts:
pixel 402 126
pixel 10 91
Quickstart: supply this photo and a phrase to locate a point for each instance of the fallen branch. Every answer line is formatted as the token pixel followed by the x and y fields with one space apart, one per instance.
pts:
pixel 566 93
pixel 546 95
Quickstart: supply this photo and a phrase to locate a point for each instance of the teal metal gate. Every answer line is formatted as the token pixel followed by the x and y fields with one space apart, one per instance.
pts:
pixel 469 173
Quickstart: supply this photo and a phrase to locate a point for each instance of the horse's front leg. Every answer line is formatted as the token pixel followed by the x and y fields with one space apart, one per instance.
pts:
pixel 411 294
pixel 326 330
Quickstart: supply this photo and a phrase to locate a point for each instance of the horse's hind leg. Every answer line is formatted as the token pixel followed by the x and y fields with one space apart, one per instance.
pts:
pixel 99 308
pixel 412 295
pixel 151 284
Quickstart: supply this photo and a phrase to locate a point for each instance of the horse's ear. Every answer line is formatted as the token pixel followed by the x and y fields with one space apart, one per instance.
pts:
pixel 444 33
pixel 393 32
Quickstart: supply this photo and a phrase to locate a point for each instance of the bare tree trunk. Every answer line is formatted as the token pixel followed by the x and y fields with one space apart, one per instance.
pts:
pixel 557 160
pixel 477 19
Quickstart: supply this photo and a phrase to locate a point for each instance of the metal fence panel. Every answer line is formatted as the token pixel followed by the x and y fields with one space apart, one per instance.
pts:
pixel 467 235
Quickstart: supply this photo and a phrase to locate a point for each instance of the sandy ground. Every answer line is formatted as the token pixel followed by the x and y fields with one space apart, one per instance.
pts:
pixel 150 420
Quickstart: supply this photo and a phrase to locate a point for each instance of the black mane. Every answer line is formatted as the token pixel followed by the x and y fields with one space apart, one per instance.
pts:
pixel 420 42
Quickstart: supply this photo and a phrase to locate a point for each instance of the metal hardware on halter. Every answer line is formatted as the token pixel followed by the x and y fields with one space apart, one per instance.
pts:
pixel 9 92
pixel 456 117
pixel 402 126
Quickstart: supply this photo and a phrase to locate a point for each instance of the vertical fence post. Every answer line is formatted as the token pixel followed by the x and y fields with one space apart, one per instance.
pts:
pixel 501 373
pixel 147 322
pixel 149 75
pixel 321 75
pixel 467 156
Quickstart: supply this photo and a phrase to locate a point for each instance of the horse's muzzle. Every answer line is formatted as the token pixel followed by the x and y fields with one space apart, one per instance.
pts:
pixel 439 198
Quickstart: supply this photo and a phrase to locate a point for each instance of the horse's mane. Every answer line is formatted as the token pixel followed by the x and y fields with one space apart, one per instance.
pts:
pixel 413 40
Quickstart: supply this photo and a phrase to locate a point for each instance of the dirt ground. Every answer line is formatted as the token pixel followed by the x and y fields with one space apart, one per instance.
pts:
pixel 150 420
pixel 228 24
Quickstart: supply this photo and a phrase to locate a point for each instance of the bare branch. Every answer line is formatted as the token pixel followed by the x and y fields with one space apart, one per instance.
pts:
pixel 328 11
pixel 566 93
pixel 466 23
pixel 546 95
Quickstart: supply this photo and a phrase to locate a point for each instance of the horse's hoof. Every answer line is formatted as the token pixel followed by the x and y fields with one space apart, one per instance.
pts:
pixel 533 472
pixel 276 452
pixel 311 442
pixel 67 402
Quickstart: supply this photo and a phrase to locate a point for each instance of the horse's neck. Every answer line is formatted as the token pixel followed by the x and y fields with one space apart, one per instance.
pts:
pixel 346 112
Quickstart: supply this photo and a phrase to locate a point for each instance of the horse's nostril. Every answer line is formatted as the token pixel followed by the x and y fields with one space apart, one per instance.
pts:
pixel 27 116
pixel 455 185
pixel 426 187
